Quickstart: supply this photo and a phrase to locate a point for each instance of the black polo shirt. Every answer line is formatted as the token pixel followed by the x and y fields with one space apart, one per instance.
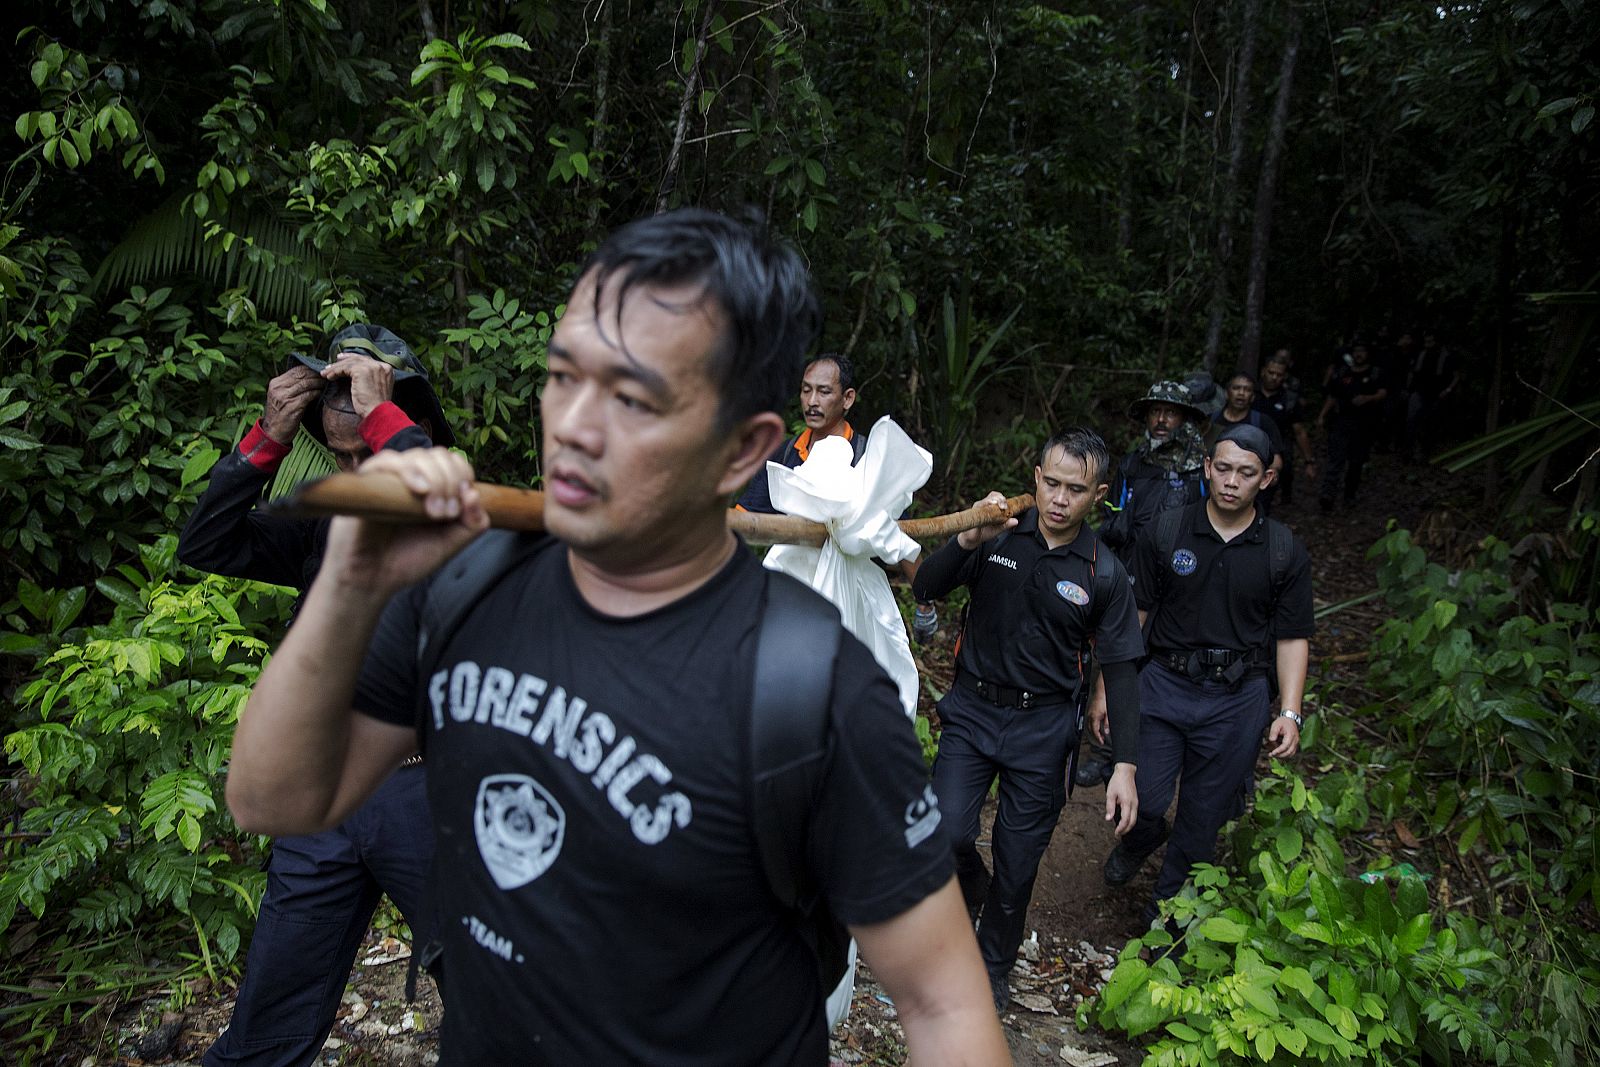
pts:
pixel 1211 593
pixel 1031 624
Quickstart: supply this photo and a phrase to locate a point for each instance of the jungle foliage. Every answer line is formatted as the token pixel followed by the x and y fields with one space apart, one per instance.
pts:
pixel 1016 214
pixel 1318 946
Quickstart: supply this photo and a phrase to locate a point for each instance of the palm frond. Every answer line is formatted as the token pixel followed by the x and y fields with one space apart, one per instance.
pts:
pixel 306 461
pixel 265 257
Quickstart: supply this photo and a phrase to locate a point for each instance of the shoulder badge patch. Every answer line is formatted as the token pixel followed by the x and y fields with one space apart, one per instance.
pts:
pixel 1183 562
pixel 1073 593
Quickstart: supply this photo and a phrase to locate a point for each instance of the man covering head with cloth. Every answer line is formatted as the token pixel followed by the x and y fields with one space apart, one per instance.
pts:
pixel 601 894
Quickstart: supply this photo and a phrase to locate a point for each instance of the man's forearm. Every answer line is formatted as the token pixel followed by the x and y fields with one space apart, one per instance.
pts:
pixel 292 742
pixel 939 572
pixel 1293 657
pixel 929 964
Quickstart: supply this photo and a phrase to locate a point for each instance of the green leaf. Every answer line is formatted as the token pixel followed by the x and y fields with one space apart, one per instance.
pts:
pixel 1129 976
pixel 1414 934
pixel 1556 107
pixel 198 465
pixel 1290 1038
pixel 119 592
pixel 1266 1045
pixel 580 164
pixel 1183 1031
pixel 1288 843
pixel 1222 929
pixel 1582 117
pixel 815 172
pixel 67 608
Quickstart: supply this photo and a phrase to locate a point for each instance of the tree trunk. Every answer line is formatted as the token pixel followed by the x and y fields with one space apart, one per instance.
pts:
pixel 602 101
pixel 1177 193
pixel 1504 271
pixel 1238 129
pixel 669 178
pixel 1255 295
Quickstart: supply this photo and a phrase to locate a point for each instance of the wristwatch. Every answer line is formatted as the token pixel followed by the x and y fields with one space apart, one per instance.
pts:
pixel 1293 716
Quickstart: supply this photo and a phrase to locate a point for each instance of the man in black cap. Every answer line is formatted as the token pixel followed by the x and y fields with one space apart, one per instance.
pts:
pixel 1352 415
pixel 1163 471
pixel 1279 398
pixel 1224 594
pixel 1043 592
pixel 321 888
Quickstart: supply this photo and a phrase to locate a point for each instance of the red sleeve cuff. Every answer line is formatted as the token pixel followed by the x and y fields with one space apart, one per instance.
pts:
pixel 261 451
pixel 385 421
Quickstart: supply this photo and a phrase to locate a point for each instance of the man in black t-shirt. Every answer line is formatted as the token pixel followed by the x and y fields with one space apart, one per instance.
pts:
pixel 1218 610
pixel 1239 410
pixel 600 891
pixel 1044 595
pixel 1351 414
pixel 1280 399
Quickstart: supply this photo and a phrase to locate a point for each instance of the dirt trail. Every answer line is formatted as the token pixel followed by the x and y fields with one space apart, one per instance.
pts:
pixel 1078 922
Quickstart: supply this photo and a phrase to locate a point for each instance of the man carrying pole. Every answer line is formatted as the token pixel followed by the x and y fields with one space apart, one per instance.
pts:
pixel 601 898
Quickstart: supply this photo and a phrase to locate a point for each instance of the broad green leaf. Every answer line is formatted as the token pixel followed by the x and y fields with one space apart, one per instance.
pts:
pixel 1220 928
pixel 1130 975
pixel 1413 934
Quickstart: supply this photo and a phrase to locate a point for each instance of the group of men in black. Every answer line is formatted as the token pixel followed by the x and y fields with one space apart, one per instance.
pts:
pixel 575 746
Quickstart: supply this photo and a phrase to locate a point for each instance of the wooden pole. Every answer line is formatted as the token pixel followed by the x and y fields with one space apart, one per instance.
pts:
pixel 384 498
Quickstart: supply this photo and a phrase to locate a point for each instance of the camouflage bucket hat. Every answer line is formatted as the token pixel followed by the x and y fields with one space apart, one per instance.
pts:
pixel 1166 392
pixel 413 392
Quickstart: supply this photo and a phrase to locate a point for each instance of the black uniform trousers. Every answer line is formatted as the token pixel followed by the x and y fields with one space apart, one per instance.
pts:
pixel 1028 750
pixel 1349 446
pixel 1208 734
pixel 321 892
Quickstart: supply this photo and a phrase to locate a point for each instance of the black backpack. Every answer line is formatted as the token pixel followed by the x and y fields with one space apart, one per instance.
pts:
pixel 790 732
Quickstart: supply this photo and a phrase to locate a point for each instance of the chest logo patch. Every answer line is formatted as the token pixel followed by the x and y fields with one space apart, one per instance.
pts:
pixel 519 828
pixel 1183 562
pixel 1073 593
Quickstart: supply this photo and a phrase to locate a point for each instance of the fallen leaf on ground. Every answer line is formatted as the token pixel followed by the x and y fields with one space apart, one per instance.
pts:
pixel 1035 1003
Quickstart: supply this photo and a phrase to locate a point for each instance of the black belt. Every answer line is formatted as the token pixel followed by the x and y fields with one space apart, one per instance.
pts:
pixel 1216 664
pixel 1004 695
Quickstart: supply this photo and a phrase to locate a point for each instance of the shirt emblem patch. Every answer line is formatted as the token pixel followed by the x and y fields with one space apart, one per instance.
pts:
pixel 1183 562
pixel 1073 593
pixel 519 828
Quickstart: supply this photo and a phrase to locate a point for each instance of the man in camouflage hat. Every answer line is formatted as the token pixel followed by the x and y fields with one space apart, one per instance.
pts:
pixel 1166 469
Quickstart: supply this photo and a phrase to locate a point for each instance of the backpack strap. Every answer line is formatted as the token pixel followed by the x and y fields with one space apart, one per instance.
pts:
pixel 1168 525
pixel 451 593
pixel 457 587
pixel 1280 549
pixel 789 728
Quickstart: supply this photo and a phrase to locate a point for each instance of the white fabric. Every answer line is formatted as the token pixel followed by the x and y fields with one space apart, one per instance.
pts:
pixel 861 506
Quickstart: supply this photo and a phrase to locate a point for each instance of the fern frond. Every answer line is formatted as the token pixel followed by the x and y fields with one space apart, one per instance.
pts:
pixel 266 258
pixel 306 461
